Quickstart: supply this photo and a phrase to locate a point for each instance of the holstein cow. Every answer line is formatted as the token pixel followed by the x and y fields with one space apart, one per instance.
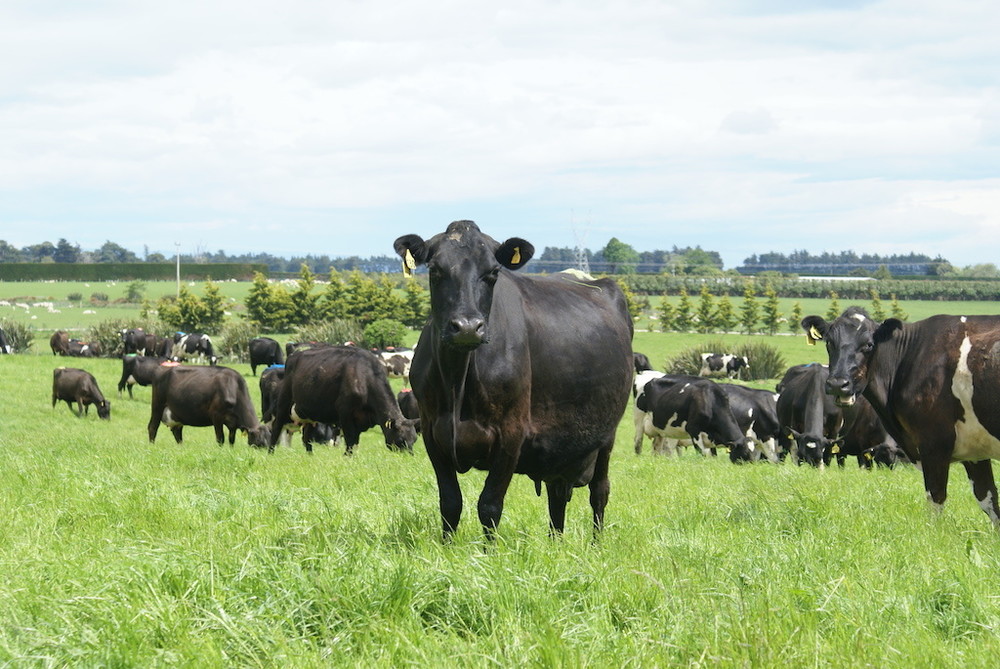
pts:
pixel 864 436
pixel 134 341
pixel 810 421
pixel 688 407
pixel 756 412
pixel 82 349
pixel 5 346
pixel 342 386
pixel 142 370
pixel 638 415
pixel 194 345
pixel 203 396
pixel 77 385
pixel 264 351
pixel 934 383
pixel 516 374
pixel 59 343
pixel 270 385
pixel 719 364
pixel 397 363
pixel 160 347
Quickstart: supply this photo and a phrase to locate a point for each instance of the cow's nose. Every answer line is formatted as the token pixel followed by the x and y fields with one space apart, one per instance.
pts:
pixel 838 386
pixel 468 330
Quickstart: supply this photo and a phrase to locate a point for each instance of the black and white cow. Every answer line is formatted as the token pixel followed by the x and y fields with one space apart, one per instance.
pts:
pixel 756 412
pixel 5 346
pixel 723 364
pixel 516 374
pixel 639 415
pixel 141 370
pixel 680 408
pixel 83 349
pixel 810 421
pixel 397 363
pixel 264 351
pixel 80 387
pixel 194 345
pixel 133 341
pixel 934 383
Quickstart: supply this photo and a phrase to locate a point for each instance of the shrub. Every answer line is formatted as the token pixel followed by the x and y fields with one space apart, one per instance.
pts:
pixel 99 299
pixel 19 336
pixel 234 341
pixel 766 362
pixel 333 331
pixel 75 297
pixel 383 333
pixel 107 333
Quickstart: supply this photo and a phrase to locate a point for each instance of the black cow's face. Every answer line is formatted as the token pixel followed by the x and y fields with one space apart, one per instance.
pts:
pixel 104 410
pixel 259 436
pixel 812 448
pixel 463 265
pixel 850 342
pixel 400 435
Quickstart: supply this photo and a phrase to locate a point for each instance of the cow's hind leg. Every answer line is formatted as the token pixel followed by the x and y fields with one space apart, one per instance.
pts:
pixel 984 488
pixel 600 488
pixel 178 431
pixel 935 470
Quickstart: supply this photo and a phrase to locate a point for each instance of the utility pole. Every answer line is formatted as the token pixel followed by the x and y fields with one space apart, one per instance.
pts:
pixel 177 252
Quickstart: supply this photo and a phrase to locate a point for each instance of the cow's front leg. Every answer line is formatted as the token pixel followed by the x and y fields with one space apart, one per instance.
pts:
pixel 984 488
pixel 502 466
pixel 449 491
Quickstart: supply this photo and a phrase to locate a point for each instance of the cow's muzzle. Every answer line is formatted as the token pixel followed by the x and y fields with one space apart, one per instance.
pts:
pixel 466 333
pixel 842 391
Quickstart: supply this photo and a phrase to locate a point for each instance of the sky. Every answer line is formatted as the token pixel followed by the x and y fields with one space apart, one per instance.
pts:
pixel 319 127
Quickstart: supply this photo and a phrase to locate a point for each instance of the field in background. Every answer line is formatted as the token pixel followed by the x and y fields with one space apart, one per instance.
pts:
pixel 116 551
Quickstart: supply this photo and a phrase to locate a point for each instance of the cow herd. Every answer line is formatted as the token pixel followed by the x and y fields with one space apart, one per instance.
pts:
pixel 531 375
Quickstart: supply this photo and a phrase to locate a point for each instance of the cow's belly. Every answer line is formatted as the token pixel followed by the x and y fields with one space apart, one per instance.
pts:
pixel 175 418
pixel 972 440
pixel 670 431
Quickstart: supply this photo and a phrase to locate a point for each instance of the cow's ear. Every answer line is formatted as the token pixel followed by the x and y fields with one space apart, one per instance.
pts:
pixel 413 250
pixel 815 328
pixel 514 253
pixel 885 330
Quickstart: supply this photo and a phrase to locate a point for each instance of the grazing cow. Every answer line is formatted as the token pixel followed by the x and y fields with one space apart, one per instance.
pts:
pixel 719 364
pixel 342 386
pixel 516 374
pixel 82 349
pixel 160 347
pixel 194 345
pixel 59 343
pixel 810 421
pixel 934 383
pixel 756 412
pixel 140 369
pixel 641 361
pixel 5 346
pixel 864 436
pixel 408 403
pixel 397 364
pixel 638 415
pixel 681 407
pixel 265 351
pixel 134 341
pixel 77 385
pixel 203 396
pixel 270 386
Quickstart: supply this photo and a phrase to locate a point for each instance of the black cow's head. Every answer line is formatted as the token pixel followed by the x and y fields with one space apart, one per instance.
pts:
pixel 259 436
pixel 850 342
pixel 103 409
pixel 400 435
pixel 813 449
pixel 463 265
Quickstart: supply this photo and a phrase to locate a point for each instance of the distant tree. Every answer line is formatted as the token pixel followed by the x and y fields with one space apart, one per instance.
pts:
pixel 39 252
pixel 66 252
pixel 417 304
pixel 896 310
pixel 684 314
pixel 795 319
pixel 667 314
pixel 305 305
pixel 333 304
pixel 621 257
pixel 772 315
pixel 706 310
pixel 725 316
pixel 833 311
pixel 882 273
pixel 134 292
pixel 111 252
pixel 878 312
pixel 631 303
pixel 156 257
pixel 750 310
pixel 267 306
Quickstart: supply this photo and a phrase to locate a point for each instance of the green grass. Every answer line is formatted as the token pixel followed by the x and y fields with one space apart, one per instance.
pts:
pixel 118 552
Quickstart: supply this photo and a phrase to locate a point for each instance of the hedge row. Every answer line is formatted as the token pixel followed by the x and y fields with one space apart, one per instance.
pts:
pixel 127 271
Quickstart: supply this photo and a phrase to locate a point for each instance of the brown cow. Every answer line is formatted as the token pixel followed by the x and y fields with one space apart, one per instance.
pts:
pixel 77 385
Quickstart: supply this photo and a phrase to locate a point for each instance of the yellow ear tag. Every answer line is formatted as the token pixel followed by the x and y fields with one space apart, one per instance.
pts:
pixel 869 456
pixel 835 449
pixel 516 258
pixel 408 264
pixel 388 424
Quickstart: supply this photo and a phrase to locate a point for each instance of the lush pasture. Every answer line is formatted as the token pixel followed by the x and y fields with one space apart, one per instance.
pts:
pixel 119 552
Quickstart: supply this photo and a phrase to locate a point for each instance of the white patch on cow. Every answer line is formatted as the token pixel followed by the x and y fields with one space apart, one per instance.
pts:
pixel 963 319
pixel 130 380
pixel 750 413
pixel 168 419
pixel 810 444
pixel 972 440
pixel 986 505
pixel 84 348
pixel 859 317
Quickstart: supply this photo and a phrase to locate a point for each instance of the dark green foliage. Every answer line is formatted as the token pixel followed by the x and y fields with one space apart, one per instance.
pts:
pixel 795 319
pixel 99 299
pixel 75 297
pixel 706 311
pixel 190 313
pixel 833 311
pixel 766 362
pixel 749 310
pixel 897 310
pixel 384 333
pixel 102 271
pixel 772 315
pixel 725 316
pixel 684 315
pixel 334 331
pixel 19 335
pixel 234 340
pixel 667 315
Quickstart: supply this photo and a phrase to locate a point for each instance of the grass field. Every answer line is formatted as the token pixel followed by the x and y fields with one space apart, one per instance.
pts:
pixel 118 552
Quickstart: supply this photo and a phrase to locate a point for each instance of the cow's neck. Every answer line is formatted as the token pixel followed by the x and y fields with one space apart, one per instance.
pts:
pixel 882 368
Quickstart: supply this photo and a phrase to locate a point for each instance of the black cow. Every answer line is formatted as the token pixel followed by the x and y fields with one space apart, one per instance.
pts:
pixel 756 412
pixel 408 403
pixel 270 386
pixel 134 341
pixel 293 346
pixel 864 436
pixel 343 386
pixel 203 396
pixel 516 374
pixel 83 349
pixel 810 421
pixel 59 343
pixel 5 346
pixel 719 364
pixel 264 351
pixel 641 361
pixel 935 384
pixel 160 347
pixel 140 369
pixel 77 385
pixel 680 407
pixel 194 345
